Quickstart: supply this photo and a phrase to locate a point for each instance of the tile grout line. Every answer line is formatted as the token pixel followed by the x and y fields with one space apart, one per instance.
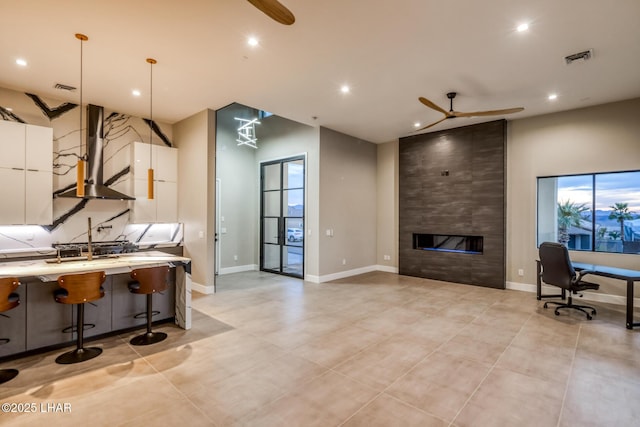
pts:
pixel 422 360
pixel 489 371
pixel 566 387
pixel 166 379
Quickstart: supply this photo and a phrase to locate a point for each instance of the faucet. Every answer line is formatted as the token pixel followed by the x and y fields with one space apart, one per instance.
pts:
pixel 89 248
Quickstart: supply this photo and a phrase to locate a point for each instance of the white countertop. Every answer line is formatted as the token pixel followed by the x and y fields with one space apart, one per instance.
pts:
pixel 123 263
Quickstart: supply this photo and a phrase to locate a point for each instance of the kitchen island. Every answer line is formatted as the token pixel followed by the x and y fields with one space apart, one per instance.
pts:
pixel 38 311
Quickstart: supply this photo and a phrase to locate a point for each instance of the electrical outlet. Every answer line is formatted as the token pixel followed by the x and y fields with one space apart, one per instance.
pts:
pixel 235 257
pixel 520 272
pixel 344 261
pixel 387 257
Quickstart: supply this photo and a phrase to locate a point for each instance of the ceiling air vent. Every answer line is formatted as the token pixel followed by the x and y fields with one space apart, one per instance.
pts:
pixel 64 87
pixel 585 55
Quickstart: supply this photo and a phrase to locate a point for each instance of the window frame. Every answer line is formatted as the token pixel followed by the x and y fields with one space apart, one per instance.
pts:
pixel 592 207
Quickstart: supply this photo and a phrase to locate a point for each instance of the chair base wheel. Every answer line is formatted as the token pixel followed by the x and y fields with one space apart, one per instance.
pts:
pixel 7 375
pixel 148 338
pixel 78 355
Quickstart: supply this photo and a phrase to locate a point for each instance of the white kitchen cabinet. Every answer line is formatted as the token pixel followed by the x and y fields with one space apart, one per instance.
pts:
pixel 164 206
pixel 12 194
pixel 26 173
pixel 12 141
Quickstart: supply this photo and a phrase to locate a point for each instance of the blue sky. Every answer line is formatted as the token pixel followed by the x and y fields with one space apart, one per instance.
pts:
pixel 611 188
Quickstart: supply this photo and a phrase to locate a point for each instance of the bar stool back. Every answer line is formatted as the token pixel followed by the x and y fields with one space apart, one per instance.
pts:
pixel 79 289
pixel 149 281
pixel 8 300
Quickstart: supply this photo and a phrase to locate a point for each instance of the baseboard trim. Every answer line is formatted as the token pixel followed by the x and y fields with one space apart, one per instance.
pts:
pixel 238 269
pixel 387 268
pixel 349 273
pixel 207 290
pixel 311 278
pixel 590 296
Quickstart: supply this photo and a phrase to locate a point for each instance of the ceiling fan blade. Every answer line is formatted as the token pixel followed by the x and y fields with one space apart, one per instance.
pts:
pixel 275 10
pixel 432 124
pixel 430 104
pixel 488 113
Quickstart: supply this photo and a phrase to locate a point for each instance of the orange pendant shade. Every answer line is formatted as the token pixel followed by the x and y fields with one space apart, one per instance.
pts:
pixel 80 179
pixel 150 184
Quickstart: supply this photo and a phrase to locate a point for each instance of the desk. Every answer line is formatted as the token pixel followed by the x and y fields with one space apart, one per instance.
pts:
pixel 630 276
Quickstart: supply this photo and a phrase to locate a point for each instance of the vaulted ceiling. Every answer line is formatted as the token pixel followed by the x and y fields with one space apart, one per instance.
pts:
pixel 388 52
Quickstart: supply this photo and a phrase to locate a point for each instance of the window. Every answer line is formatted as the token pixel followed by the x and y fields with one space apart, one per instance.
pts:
pixel 593 212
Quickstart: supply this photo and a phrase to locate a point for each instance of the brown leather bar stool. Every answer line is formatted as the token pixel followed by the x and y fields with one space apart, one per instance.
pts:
pixel 8 300
pixel 149 281
pixel 79 289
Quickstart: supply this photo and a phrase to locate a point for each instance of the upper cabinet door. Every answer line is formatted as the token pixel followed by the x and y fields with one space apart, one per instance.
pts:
pixel 12 144
pixel 38 197
pixel 12 194
pixel 141 162
pixel 39 149
pixel 165 163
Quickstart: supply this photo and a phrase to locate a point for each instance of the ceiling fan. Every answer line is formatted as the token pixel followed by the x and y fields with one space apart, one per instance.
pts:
pixel 451 114
pixel 274 10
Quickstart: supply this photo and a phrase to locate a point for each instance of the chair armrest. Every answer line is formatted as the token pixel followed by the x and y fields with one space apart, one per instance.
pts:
pixel 583 273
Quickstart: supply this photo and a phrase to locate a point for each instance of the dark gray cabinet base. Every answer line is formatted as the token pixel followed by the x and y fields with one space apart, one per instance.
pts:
pixel 40 322
pixel 12 327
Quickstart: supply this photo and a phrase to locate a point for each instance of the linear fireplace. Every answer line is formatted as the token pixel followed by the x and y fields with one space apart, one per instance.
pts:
pixel 448 243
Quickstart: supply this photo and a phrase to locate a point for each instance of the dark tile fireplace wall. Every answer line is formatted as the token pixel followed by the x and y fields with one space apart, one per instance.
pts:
pixel 453 183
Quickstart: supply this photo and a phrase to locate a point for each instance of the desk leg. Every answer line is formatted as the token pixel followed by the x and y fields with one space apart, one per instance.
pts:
pixel 538 281
pixel 630 324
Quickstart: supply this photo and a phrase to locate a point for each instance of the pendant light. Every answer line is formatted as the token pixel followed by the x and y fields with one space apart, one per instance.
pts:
pixel 80 169
pixel 150 195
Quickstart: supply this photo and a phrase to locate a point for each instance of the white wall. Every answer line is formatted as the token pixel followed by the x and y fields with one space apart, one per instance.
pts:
pixel 281 138
pixel 387 206
pixel 238 197
pixel 195 139
pixel 603 138
pixel 348 203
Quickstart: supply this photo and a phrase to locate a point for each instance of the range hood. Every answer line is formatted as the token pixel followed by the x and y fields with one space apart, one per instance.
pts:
pixel 94 187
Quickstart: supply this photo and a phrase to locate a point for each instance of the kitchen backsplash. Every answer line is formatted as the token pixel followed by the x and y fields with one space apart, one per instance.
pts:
pixel 110 218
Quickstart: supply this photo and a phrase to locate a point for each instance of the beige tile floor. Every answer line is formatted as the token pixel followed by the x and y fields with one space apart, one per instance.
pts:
pixel 373 350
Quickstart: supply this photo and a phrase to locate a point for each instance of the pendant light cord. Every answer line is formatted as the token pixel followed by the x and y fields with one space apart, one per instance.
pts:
pixel 151 112
pixel 80 129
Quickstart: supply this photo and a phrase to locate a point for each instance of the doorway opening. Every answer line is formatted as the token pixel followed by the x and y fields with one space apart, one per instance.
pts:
pixel 282 187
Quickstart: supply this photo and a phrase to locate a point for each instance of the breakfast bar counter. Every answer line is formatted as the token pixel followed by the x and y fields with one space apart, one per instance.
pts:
pixel 48 270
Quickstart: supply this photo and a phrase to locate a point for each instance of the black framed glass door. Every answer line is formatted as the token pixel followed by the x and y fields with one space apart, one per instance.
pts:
pixel 282 216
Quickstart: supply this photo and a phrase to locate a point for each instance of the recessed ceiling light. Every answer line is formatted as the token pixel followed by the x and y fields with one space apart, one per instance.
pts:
pixel 135 92
pixel 552 97
pixel 345 89
pixel 522 27
pixel 416 125
pixel 252 41
pixel 21 62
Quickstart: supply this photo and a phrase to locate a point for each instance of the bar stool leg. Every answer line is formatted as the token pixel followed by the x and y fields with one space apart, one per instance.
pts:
pixel 149 337
pixel 80 354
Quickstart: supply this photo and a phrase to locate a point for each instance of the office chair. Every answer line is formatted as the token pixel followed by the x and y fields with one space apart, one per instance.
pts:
pixel 558 271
